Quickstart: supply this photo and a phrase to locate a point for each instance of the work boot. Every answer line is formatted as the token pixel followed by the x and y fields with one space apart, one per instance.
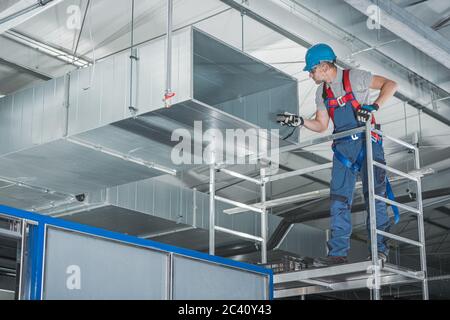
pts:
pixel 381 256
pixel 329 261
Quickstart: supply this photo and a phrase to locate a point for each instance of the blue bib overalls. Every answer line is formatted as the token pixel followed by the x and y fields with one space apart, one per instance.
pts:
pixel 343 178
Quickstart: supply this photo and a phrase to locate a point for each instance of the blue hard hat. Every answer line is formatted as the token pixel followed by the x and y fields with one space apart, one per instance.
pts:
pixel 317 54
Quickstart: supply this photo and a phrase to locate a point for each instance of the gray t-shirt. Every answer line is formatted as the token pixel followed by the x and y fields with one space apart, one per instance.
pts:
pixel 360 81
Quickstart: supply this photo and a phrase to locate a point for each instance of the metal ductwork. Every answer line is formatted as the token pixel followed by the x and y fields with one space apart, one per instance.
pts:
pixel 168 213
pixel 76 135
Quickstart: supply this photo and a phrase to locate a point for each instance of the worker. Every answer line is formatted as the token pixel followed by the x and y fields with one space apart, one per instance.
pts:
pixel 343 97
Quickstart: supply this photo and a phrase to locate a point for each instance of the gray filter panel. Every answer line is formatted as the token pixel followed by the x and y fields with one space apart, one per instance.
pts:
pixel 85 267
pixel 106 269
pixel 196 280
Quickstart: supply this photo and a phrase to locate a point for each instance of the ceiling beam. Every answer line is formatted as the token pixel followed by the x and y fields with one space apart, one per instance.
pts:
pixel 22 11
pixel 408 27
pixel 418 106
pixel 304 33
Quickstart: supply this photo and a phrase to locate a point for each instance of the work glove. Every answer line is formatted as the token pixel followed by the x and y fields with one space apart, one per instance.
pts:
pixel 290 120
pixel 363 114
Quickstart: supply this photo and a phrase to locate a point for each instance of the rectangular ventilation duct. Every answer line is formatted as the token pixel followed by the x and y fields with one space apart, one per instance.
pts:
pixel 77 134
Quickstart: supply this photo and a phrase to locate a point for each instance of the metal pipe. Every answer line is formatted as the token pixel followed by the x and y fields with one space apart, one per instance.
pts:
pixel 88 5
pixel 321 140
pixel 238 204
pixel 240 176
pixel 240 234
pixel 395 171
pixel 298 172
pixel 67 103
pixel 132 25
pixel 398 141
pixel 284 201
pixel 394 203
pixel 40 269
pixel 417 158
pixel 264 219
pixel 318 273
pixel 169 279
pixel 169 47
pixel 290 148
pixel 20 272
pixel 421 225
pixel 242 30
pixel 376 290
pixel 399 239
pixel 212 209
pixel 315 195
pixel 133 59
pixel 194 207
pixel 408 274
pixel 131 52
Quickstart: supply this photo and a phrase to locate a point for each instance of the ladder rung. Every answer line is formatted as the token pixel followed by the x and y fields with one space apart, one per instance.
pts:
pixel 418 275
pixel 284 201
pixel 394 203
pixel 238 204
pixel 239 234
pixel 398 238
pixel 398 141
pixel 299 172
pixel 395 171
pixel 240 176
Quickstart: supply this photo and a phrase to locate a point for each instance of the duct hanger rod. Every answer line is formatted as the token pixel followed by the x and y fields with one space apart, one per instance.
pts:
pixel 169 94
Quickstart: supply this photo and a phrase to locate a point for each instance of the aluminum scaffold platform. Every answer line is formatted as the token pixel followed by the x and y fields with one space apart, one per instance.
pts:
pixel 372 274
